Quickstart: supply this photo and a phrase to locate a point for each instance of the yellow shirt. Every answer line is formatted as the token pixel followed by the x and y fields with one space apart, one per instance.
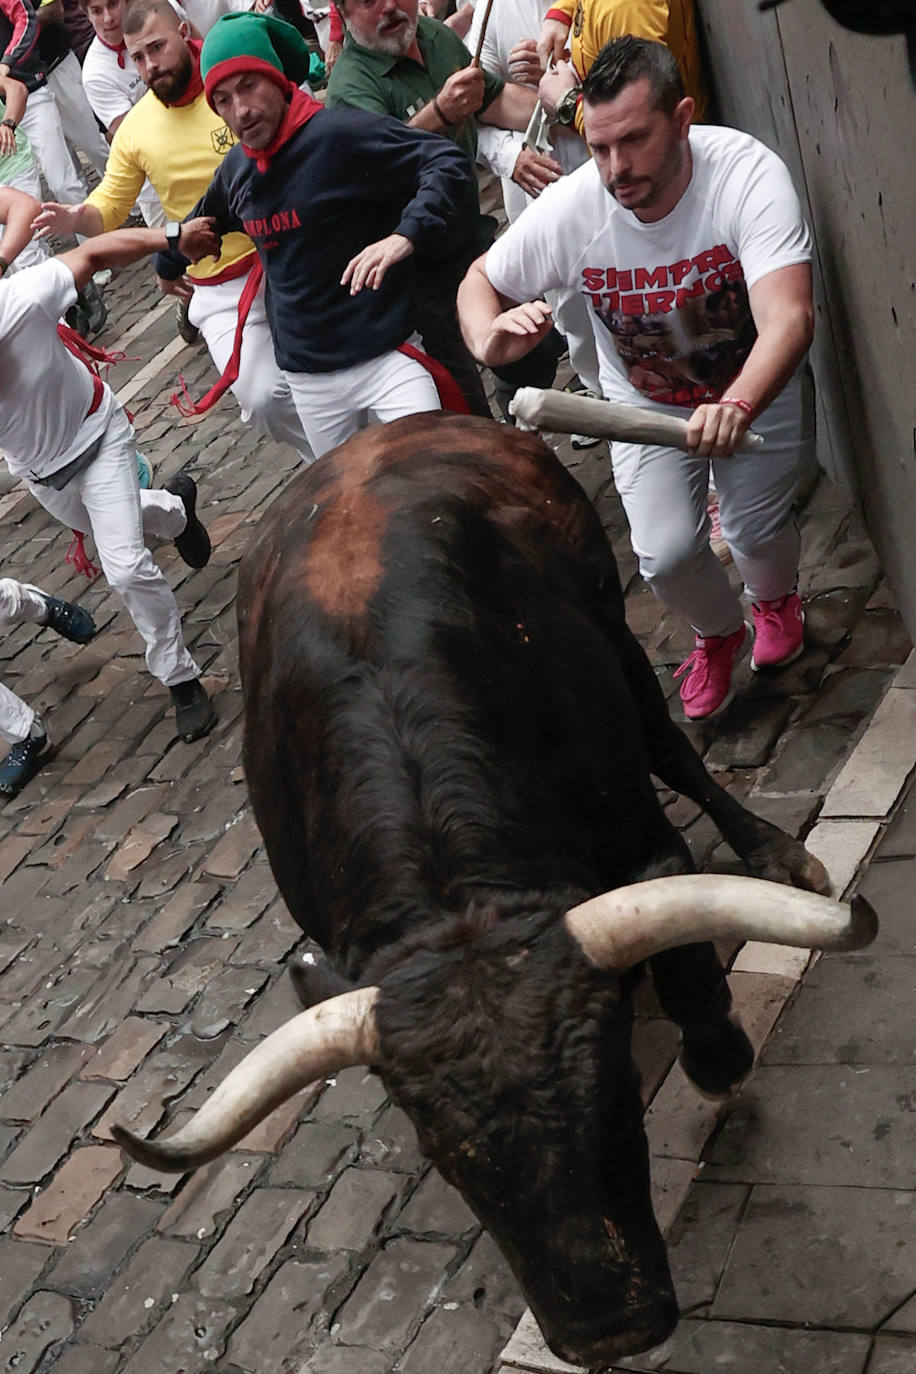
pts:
pixel 179 148
pixel 596 22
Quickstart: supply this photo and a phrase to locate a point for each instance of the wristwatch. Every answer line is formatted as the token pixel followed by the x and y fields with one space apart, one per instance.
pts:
pixel 173 230
pixel 10 123
pixel 566 109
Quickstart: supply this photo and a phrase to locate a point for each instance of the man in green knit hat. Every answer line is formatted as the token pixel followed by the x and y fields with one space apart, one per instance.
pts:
pixel 334 201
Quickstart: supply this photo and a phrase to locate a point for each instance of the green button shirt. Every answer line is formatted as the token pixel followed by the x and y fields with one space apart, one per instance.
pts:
pixel 400 86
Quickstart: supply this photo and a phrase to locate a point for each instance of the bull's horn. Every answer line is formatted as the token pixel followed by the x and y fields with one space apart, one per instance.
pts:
pixel 619 928
pixel 334 1035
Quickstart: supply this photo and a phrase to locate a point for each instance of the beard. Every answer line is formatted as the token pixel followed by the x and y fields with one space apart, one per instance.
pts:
pixel 650 189
pixel 396 43
pixel 173 87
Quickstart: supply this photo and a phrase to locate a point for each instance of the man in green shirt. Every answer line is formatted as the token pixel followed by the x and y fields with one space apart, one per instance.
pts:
pixel 399 63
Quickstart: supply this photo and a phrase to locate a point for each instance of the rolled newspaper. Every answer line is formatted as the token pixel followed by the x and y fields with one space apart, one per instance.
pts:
pixel 566 413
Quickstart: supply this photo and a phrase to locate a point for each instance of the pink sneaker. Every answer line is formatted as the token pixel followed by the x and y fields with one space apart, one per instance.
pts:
pixel 708 687
pixel 779 627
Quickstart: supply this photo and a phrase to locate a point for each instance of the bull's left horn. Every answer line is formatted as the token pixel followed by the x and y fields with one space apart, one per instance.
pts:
pixel 334 1035
pixel 619 928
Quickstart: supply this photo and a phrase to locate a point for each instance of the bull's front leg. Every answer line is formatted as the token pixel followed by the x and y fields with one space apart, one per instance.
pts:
pixel 767 851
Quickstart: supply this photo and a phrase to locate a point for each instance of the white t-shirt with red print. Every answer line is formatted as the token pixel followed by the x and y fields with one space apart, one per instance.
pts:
pixel 668 301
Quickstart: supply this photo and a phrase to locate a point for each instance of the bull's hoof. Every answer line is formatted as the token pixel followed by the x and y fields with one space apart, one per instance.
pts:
pixel 313 979
pixel 717 1059
pixel 788 861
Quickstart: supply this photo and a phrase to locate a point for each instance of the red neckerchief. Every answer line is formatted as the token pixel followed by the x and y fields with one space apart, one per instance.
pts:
pixel 196 84
pixel 299 111
pixel 119 48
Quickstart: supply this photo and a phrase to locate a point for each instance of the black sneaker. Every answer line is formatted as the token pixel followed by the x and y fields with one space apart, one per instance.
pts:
pixel 193 544
pixel 194 713
pixel 22 763
pixel 183 326
pixel 69 620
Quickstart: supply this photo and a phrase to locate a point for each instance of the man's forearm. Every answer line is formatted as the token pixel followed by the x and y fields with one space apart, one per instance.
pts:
pixel 88 221
pixel 17 232
pixel 117 248
pixel 478 306
pixel 512 108
pixel 772 361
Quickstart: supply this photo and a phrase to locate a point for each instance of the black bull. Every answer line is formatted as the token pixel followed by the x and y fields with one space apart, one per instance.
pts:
pixel 450 737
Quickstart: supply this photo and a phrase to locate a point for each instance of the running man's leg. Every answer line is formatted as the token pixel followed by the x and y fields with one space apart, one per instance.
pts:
pixel 261 390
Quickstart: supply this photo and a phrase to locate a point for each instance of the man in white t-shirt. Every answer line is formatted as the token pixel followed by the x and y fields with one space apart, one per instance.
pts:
pixel 63 432
pixel 689 246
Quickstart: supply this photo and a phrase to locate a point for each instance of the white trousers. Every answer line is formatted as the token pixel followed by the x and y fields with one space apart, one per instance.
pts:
pixel 76 115
pixel 334 405
pixel 664 495
pixel 45 131
pixel 261 390
pixel 18 602
pixel 106 499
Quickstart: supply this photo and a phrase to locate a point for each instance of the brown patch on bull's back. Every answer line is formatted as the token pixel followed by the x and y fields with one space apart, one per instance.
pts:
pixel 343 565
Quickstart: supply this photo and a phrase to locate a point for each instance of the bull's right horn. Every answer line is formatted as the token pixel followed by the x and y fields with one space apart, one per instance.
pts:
pixel 334 1035
pixel 621 927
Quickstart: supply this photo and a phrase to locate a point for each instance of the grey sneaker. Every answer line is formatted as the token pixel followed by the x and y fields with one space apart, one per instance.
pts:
pixel 183 326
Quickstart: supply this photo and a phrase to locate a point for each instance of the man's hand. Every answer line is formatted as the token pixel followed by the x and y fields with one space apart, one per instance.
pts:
pixel 331 54
pixel 181 287
pixel 552 41
pixel 715 431
pixel 199 239
pixel 554 85
pixel 7 141
pixel 462 94
pixel 533 171
pixel 524 62
pixel 55 218
pixel 515 332
pixel 368 268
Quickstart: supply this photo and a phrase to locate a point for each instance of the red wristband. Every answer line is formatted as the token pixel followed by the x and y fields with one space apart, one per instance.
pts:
pixel 742 405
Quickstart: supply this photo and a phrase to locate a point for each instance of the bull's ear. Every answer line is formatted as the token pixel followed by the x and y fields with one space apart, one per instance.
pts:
pixel 332 1036
pixel 620 928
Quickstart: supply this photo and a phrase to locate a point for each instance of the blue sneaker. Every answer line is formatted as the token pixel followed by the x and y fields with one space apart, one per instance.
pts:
pixel 144 472
pixel 22 763
pixel 69 620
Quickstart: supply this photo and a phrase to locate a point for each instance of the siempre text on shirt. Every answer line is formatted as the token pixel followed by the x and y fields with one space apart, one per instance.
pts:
pixel 657 290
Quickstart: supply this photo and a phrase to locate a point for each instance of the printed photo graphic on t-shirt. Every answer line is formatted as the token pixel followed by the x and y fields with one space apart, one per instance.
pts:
pixel 682 330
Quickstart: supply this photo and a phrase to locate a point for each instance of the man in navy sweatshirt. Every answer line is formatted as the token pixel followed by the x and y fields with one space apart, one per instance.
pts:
pixel 335 202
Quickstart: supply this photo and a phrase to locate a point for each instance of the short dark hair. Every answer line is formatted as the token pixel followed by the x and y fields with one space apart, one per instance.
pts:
pixel 138 11
pixel 628 59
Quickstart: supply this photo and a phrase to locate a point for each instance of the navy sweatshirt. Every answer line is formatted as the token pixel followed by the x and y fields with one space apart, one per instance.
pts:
pixel 342 181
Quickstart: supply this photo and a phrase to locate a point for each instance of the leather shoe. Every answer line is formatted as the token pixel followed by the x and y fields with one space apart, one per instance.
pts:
pixel 194 712
pixel 193 544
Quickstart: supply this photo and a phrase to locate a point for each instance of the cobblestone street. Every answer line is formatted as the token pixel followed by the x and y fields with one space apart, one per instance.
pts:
pixel 143 945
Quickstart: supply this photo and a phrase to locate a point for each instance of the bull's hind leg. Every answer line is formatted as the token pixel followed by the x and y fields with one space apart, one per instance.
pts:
pixel 767 851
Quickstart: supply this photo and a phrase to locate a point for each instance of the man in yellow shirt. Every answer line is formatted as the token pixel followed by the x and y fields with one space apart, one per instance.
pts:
pixel 172 137
pixel 584 26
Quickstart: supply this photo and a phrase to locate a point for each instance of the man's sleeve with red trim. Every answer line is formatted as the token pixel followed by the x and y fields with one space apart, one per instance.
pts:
pixel 336 28
pixel 563 10
pixel 25 30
